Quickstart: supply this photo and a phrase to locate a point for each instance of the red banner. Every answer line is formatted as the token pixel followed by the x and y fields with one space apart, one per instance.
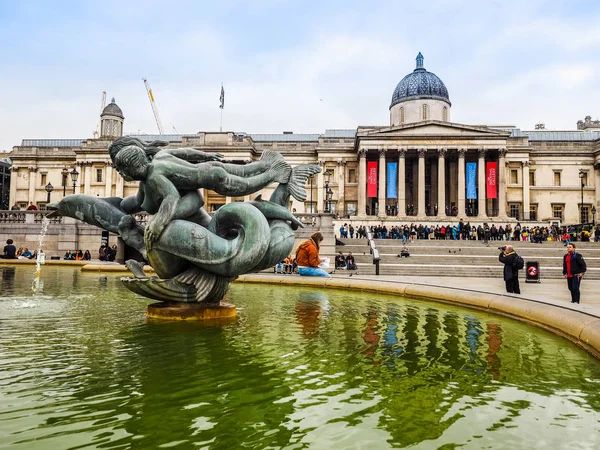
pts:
pixel 491 179
pixel 372 179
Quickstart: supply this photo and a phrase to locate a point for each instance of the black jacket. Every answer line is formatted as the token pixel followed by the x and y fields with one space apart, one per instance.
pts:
pixel 577 264
pixel 508 259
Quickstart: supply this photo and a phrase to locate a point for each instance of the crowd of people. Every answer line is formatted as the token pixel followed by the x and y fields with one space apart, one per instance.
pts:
pixel 77 256
pixel 466 231
pixel 105 253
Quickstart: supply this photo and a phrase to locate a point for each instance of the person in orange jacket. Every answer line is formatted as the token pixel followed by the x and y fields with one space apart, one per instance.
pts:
pixel 307 257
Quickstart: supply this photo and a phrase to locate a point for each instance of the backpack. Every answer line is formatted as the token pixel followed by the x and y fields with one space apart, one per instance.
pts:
pixel 519 263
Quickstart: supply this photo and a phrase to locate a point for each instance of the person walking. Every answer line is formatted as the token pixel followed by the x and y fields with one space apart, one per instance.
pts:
pixel 573 269
pixel 511 262
pixel 307 257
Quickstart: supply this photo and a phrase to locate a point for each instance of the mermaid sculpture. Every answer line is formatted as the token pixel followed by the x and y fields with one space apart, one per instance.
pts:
pixel 195 256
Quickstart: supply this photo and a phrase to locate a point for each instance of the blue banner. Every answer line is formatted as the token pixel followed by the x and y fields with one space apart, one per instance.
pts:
pixel 471 181
pixel 392 180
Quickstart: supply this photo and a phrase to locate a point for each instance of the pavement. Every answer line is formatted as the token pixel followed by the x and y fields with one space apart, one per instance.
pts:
pixel 547 291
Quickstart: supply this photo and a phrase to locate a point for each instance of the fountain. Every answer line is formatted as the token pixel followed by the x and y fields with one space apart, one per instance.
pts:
pixel 41 256
pixel 196 256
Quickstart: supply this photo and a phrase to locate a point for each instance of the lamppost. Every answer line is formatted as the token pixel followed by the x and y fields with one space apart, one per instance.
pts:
pixel 49 188
pixel 328 192
pixel 581 175
pixel 65 174
pixel 74 176
pixel 594 215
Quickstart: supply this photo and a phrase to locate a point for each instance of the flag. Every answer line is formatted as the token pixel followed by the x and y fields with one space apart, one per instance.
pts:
pixel 491 179
pixel 372 179
pixel 472 181
pixel 392 179
pixel 222 98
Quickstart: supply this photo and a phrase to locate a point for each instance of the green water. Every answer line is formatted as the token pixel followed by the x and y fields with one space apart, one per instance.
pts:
pixel 82 367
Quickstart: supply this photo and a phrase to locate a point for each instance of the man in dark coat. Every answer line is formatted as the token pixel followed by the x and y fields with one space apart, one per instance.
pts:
pixel 573 269
pixel 511 274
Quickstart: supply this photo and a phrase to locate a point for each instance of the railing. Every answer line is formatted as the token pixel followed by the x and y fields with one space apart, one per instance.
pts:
pixel 27 217
pixel 373 250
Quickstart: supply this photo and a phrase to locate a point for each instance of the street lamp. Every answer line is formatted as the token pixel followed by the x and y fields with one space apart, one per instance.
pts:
pixel 65 174
pixel 49 188
pixel 328 192
pixel 312 209
pixel 581 175
pixel 74 176
pixel 594 215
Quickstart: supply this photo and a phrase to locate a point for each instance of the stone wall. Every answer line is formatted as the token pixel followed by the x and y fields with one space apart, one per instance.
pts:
pixel 64 233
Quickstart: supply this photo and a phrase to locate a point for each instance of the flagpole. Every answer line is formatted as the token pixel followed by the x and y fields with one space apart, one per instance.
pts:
pixel 221 126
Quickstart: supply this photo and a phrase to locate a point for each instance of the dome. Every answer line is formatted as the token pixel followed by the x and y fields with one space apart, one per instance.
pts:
pixel 420 84
pixel 112 109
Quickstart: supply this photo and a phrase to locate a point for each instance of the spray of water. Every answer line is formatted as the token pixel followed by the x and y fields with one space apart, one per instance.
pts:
pixel 40 254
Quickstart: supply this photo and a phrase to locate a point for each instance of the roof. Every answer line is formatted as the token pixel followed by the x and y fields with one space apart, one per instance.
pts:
pixel 284 137
pixel 112 109
pixel 562 135
pixel 420 84
pixel 52 142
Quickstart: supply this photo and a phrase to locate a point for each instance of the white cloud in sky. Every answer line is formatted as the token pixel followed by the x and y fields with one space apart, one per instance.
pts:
pixel 290 66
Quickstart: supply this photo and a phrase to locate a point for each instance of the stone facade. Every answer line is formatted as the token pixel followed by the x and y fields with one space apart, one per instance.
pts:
pixel 539 174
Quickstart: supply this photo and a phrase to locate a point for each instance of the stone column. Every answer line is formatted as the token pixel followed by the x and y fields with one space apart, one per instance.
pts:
pixel 481 197
pixel 120 186
pixel 341 182
pixel 321 189
pixel 362 183
pixel 87 189
pixel 525 214
pixel 502 184
pixel 401 182
pixel 461 181
pixel 13 186
pixel 227 200
pixel 381 191
pixel 108 181
pixel 441 182
pixel 421 192
pixel 597 202
pixel 433 189
pixel 32 175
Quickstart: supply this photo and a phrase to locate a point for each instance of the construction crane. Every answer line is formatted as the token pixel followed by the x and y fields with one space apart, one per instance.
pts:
pixel 154 108
pixel 102 106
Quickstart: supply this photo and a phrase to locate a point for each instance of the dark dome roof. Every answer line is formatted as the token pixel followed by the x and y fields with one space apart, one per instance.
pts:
pixel 112 109
pixel 420 84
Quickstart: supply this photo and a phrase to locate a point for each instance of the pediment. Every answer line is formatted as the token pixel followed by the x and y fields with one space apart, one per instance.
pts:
pixel 432 128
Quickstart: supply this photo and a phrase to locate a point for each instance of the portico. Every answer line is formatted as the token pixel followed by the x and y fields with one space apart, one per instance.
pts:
pixel 443 170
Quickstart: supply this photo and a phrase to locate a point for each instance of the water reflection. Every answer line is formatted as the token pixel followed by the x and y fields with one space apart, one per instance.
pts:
pixel 299 368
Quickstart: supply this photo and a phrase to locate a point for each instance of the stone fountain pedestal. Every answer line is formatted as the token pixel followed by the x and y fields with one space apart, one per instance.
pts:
pixel 219 313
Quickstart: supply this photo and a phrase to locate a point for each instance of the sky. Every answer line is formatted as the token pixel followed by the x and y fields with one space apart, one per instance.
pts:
pixel 302 66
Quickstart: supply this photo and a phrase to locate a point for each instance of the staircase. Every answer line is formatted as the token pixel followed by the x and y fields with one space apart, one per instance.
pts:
pixel 431 258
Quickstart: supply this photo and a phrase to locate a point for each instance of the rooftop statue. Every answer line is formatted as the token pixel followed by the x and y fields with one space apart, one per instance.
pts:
pixel 195 256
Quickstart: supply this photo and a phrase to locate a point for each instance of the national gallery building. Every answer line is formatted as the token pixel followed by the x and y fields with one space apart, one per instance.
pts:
pixel 422 167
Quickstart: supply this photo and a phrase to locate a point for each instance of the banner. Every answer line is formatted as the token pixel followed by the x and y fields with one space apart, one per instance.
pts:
pixel 372 179
pixel 471 181
pixel 392 180
pixel 491 179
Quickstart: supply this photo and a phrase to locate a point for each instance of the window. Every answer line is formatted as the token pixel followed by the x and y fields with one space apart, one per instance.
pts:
pixel 445 114
pixel 514 176
pixel 584 213
pixel 309 207
pixel 99 173
pixel 351 209
pixel 557 211
pixel 351 175
pixel 584 179
pixel 556 178
pixel 532 212
pixel 424 113
pixel 43 176
pixel 514 210
pixel 402 114
pixel 531 178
